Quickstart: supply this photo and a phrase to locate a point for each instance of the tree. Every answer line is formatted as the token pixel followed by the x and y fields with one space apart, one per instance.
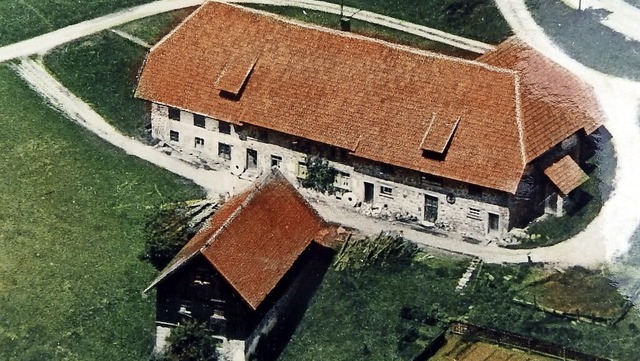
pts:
pixel 191 342
pixel 320 175
pixel 167 231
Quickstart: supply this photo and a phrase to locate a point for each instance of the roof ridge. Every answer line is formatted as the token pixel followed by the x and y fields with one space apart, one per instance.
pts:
pixel 256 189
pixel 344 34
pixel 523 150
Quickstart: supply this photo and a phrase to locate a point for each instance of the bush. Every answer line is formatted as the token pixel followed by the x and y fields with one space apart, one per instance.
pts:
pixel 167 231
pixel 320 175
pixel 191 342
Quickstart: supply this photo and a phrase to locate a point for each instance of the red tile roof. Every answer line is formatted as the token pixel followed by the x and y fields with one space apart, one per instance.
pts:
pixel 255 237
pixel 566 174
pixel 555 103
pixel 373 98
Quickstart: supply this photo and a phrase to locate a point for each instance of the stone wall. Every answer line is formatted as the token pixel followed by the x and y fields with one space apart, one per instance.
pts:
pixel 464 209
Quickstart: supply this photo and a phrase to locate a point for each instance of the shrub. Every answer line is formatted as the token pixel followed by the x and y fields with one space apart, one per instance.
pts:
pixel 167 231
pixel 320 175
pixel 191 342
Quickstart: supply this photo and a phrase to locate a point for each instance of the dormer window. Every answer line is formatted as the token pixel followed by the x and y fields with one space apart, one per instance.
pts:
pixel 234 76
pixel 438 136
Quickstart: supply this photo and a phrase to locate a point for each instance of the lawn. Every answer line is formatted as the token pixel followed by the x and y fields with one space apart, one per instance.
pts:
pixel 71 232
pixel 474 19
pixel 102 70
pixel 577 291
pixel 366 29
pixel 580 35
pixel 154 28
pixel 23 19
pixel 384 312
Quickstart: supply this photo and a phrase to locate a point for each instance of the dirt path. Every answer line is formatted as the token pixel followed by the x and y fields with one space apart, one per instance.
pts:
pixel 585 249
pixel 611 231
pixel 43 43
pixel 35 74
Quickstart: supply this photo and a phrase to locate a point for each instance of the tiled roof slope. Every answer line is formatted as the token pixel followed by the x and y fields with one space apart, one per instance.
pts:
pixel 566 174
pixel 373 98
pixel 555 103
pixel 255 237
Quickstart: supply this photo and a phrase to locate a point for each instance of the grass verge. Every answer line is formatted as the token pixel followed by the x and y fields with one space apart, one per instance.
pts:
pixel 364 28
pixel 24 19
pixel 154 28
pixel 580 34
pixel 474 19
pixel 101 70
pixel 71 232
pixel 384 312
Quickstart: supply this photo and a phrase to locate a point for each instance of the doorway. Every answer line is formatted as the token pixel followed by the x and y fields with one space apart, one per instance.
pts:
pixel 368 192
pixel 494 222
pixel 430 208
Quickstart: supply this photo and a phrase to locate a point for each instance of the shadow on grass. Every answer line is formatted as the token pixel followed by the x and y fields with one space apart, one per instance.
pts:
pixel 581 35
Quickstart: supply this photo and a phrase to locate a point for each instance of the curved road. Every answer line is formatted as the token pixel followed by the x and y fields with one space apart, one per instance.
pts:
pixel 611 231
pixel 586 249
pixel 43 43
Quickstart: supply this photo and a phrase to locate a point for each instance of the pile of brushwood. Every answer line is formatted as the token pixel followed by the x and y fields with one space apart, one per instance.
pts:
pixel 171 227
pixel 386 248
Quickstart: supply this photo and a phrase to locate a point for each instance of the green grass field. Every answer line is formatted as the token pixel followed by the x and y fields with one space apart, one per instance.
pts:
pixel 101 70
pixel 580 35
pixel 366 29
pixel 70 233
pixel 358 314
pixel 23 19
pixel 475 19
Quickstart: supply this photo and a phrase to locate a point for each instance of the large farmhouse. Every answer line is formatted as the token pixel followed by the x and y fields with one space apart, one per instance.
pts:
pixel 477 146
pixel 249 272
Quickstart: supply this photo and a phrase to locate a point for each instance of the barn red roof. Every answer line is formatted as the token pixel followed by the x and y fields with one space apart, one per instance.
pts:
pixel 566 174
pixel 255 237
pixel 375 99
pixel 555 103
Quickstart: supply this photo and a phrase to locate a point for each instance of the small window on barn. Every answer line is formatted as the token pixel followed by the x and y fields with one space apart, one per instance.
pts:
pixel 199 142
pixel 386 190
pixel 224 151
pixel 174 114
pixel 198 120
pixel 474 213
pixel 303 171
pixel 276 160
pixel 342 180
pixel 174 136
pixel 224 127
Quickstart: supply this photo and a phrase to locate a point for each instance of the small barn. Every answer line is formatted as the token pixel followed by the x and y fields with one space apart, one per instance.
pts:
pixel 250 271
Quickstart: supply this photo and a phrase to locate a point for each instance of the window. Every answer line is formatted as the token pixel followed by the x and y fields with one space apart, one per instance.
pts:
pixel 474 213
pixel 303 172
pixel 174 136
pixel 224 151
pixel 430 208
pixel 386 190
pixel 199 142
pixel 276 160
pixel 224 127
pixel 174 114
pixel 342 180
pixel 198 120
